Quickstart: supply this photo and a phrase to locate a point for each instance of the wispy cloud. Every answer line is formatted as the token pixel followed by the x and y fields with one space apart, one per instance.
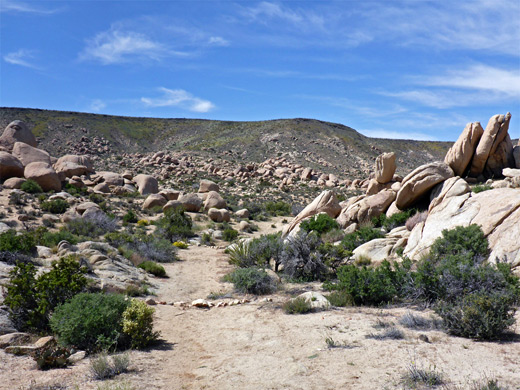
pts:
pixel 476 84
pixel 218 41
pixel 16 6
pixel 21 57
pixel 179 98
pixel 97 105
pixel 117 46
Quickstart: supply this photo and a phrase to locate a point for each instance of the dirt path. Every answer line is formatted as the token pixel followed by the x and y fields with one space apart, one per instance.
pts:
pixel 256 345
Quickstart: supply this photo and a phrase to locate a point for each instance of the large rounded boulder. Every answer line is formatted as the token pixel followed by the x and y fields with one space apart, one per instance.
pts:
pixel 421 180
pixel 28 154
pixel 146 184
pixel 43 174
pixel 17 131
pixel 10 166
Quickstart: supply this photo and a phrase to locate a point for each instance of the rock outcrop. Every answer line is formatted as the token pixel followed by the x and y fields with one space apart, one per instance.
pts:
pixel 420 181
pixel 385 167
pixel 495 133
pixel 10 166
pixel 28 154
pixel 43 174
pixel 497 211
pixel 366 208
pixel 17 131
pixel 326 202
pixel 460 154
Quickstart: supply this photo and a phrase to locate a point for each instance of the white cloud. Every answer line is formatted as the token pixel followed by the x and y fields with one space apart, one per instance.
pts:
pixel 218 41
pixel 115 46
pixel 21 57
pixel 97 105
pixel 179 98
pixel 16 6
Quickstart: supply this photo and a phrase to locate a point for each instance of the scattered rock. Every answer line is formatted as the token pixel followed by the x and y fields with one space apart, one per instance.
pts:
pixel 208 185
pixel 154 200
pixel 202 303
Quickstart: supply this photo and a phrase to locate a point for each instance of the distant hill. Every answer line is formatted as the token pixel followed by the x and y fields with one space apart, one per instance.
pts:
pixel 309 142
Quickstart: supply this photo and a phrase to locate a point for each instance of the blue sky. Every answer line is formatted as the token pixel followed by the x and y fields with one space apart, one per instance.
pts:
pixel 393 69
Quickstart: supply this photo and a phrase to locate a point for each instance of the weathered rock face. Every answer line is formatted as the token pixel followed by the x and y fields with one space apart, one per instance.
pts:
pixel 112 179
pixel 77 159
pixel 208 185
pixel 10 166
pixel 366 208
pixel 460 154
pixel 146 184
pixel 385 167
pixel 214 200
pixel 17 131
pixel 516 155
pixel 497 211
pixel 454 186
pixel 420 181
pixel 218 215
pixel 326 202
pixel 495 133
pixel 374 186
pixel 191 202
pixel 28 154
pixel 154 200
pixel 43 174
pixel 500 158
pixel 68 169
pixel 383 248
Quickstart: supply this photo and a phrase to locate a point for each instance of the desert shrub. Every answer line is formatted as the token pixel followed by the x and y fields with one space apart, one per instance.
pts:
pixel 154 248
pixel 398 219
pixel 31 187
pixel 57 206
pixel 467 242
pixel 297 305
pixel 175 225
pixel 301 259
pixel 23 243
pixel 333 255
pixel 279 208
pixel 51 239
pixel 321 223
pixel 138 324
pixel 391 333
pixel 414 321
pixel 206 239
pixel 153 268
pixel 101 368
pixel 251 281
pixel 340 298
pixel 229 234
pixel 256 252
pixel 481 187
pixel 416 375
pixel 31 299
pixel 12 258
pixel 91 322
pixel 130 217
pixel 96 198
pixel 372 285
pixel 52 356
pixel 75 191
pixel 333 235
pixel 415 219
pixel 94 225
pixel 478 315
pixel 353 240
pixel 180 244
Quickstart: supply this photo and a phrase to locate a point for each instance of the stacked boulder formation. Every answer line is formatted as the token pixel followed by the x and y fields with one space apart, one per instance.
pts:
pixel 442 190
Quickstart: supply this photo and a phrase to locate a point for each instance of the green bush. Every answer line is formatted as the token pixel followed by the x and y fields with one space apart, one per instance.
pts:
pixel 481 187
pixel 340 298
pixel 51 239
pixel 321 223
pixel 138 324
pixel 333 255
pixel 229 234
pixel 365 234
pixel 256 252
pixel 175 225
pixel 91 322
pixel 32 299
pixel 130 217
pixel 251 281
pixel 31 187
pixel 10 241
pixel 57 206
pixel 372 285
pixel 147 247
pixel 298 305
pixel 279 208
pixel 480 315
pixel 153 268
pixel 464 242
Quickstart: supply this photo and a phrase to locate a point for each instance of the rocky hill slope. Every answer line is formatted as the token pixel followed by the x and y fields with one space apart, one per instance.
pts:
pixel 320 145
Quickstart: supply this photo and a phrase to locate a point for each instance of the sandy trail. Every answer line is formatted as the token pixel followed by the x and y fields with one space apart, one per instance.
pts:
pixel 257 346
